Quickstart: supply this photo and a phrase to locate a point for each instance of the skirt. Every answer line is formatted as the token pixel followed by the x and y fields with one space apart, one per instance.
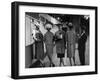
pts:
pixel 60 55
pixel 71 51
pixel 49 50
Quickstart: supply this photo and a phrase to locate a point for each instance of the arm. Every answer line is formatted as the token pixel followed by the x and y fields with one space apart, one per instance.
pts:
pixel 65 40
pixel 44 37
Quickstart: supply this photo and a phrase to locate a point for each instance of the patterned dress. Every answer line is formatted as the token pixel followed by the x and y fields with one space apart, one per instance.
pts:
pixel 39 46
pixel 71 39
pixel 49 43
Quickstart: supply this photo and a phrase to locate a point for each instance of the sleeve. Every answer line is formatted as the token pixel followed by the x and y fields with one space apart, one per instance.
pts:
pixel 53 37
pixel 66 36
pixel 41 37
pixel 56 37
pixel 44 37
pixel 37 37
pixel 84 37
pixel 75 37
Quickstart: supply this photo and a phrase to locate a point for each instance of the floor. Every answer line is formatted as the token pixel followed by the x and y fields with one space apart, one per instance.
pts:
pixel 66 60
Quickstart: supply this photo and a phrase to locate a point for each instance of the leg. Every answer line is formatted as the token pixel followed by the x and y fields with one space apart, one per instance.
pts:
pixel 51 62
pixel 74 60
pixel 42 63
pixel 60 62
pixel 49 59
pixel 83 59
pixel 63 59
pixel 70 61
pixel 82 56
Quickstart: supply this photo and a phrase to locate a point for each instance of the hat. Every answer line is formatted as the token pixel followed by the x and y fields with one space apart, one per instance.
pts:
pixel 70 24
pixel 48 25
pixel 59 24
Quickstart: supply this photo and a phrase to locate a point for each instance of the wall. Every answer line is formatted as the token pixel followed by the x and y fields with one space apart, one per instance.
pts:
pixel 28 34
pixel 28 55
pixel 5 40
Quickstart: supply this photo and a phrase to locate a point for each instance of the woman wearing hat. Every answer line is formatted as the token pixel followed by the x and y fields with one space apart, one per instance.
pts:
pixel 71 40
pixel 39 51
pixel 49 43
pixel 60 44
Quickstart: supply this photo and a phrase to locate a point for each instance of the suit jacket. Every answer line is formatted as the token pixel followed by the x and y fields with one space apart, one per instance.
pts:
pixel 82 41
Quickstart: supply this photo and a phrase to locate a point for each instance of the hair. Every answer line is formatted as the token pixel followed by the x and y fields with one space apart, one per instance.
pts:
pixel 37 27
pixel 47 23
pixel 70 27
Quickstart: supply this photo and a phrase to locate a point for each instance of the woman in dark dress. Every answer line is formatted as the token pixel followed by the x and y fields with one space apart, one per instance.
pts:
pixel 60 44
pixel 39 46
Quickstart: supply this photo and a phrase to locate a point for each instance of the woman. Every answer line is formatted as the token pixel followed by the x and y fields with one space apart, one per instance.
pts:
pixel 60 44
pixel 71 40
pixel 39 48
pixel 49 43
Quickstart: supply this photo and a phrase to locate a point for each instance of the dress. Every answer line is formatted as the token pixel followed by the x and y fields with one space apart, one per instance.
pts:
pixel 39 46
pixel 49 43
pixel 60 43
pixel 71 39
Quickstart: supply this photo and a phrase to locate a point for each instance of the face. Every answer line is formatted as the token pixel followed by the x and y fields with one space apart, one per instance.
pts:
pixel 48 27
pixel 37 28
pixel 60 27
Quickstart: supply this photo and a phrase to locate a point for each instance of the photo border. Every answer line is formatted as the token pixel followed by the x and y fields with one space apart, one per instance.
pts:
pixel 15 39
